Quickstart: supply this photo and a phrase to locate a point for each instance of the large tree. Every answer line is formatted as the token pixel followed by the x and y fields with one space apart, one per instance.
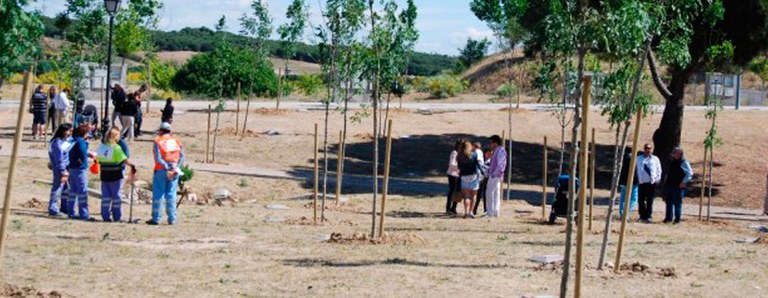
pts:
pixel 741 23
pixel 20 32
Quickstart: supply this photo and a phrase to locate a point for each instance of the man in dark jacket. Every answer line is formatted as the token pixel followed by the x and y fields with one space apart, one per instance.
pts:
pixel 679 173
pixel 118 99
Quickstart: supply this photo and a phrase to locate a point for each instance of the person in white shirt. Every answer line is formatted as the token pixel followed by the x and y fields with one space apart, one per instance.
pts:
pixel 648 175
pixel 61 104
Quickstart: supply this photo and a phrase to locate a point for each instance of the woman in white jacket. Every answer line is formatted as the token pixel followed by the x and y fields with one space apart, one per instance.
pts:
pixel 61 104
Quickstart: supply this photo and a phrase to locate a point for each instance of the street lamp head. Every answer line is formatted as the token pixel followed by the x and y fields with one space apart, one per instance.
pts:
pixel 112 6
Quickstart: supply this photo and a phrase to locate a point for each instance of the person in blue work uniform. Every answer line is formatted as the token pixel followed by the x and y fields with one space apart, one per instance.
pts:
pixel 112 156
pixel 169 156
pixel 58 154
pixel 77 203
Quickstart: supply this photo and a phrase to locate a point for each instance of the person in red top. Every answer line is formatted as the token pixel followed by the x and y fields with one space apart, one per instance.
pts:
pixel 169 156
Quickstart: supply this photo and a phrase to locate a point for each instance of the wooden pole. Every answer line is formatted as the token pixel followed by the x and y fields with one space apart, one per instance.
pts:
pixel 592 169
pixel 208 137
pixel 544 167
pixel 503 141
pixel 385 187
pixel 237 116
pixel 149 84
pixel 703 184
pixel 317 173
pixel 247 108
pixel 14 158
pixel 339 158
pixel 583 176
pixel 630 181
pixel 709 190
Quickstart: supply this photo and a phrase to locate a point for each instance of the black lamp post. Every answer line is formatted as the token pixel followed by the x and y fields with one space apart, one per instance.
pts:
pixel 112 6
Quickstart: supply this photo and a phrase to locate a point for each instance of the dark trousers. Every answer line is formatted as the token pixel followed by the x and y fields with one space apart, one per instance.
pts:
pixel 674 200
pixel 646 195
pixel 481 196
pixel 453 186
pixel 139 121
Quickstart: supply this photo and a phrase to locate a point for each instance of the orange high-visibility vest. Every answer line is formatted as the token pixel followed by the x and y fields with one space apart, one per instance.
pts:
pixel 170 150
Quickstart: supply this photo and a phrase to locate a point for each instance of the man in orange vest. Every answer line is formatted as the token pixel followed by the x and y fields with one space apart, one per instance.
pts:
pixel 169 156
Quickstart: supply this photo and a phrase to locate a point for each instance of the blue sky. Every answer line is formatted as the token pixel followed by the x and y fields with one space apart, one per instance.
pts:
pixel 444 25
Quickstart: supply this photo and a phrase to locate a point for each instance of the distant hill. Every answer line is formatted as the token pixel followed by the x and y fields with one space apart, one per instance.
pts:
pixel 201 40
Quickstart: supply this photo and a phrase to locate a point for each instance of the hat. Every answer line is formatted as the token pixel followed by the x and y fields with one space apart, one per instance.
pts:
pixel 165 126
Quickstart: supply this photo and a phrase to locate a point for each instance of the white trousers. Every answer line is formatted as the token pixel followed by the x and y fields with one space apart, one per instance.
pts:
pixel 493 196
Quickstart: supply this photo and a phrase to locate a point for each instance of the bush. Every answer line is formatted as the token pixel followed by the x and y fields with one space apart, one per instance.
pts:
pixel 205 73
pixel 135 78
pixel 444 86
pixel 506 90
pixel 309 84
pixel 159 94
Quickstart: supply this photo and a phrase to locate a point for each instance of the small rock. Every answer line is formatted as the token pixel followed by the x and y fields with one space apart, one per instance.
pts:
pixel 323 237
pixel 272 133
pixel 276 207
pixel 546 259
pixel 424 111
pixel 302 110
pixel 221 194
pixel 747 240
pixel 760 228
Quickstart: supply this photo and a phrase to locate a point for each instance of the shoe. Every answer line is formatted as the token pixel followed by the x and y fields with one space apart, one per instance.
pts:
pixel 152 222
pixel 471 215
pixel 171 223
pixel 90 219
pixel 666 221
pixel 58 215
pixel 676 222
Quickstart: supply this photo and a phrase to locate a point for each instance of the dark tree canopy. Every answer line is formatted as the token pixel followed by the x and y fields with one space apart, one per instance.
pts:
pixel 473 52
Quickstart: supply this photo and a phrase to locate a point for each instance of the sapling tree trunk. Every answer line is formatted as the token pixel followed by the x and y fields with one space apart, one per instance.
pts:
pixel 375 103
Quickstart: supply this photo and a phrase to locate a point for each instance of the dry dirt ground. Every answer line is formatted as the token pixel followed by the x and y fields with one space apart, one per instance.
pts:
pixel 245 250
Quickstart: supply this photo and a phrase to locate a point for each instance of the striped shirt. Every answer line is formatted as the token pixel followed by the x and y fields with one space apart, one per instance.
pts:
pixel 39 102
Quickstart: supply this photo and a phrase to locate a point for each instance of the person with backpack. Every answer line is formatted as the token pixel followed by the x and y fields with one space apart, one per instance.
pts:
pixel 38 109
pixel 113 156
pixel 679 173
pixel 58 154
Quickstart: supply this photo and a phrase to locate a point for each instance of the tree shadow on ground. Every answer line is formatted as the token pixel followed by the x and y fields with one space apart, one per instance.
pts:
pixel 419 156
pixel 308 263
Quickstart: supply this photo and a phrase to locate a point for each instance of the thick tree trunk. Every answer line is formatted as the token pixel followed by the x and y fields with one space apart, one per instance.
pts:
pixel 667 136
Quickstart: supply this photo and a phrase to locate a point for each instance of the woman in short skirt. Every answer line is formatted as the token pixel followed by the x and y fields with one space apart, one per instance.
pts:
pixel 470 178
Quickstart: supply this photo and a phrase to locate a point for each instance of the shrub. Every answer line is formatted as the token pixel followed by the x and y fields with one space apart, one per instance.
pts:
pixel 159 94
pixel 444 86
pixel 506 90
pixel 309 84
pixel 206 73
pixel 135 78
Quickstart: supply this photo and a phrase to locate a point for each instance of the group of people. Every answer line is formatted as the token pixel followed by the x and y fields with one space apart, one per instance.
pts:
pixel 647 176
pixel 51 106
pixel 127 109
pixel 474 176
pixel 71 159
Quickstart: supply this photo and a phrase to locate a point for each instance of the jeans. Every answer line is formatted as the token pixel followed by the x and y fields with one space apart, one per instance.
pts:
pixel 127 132
pixel 632 201
pixel 164 191
pixel 647 193
pixel 674 203
pixel 111 200
pixel 78 194
pixel 453 186
pixel 139 121
pixel 59 192
pixel 493 196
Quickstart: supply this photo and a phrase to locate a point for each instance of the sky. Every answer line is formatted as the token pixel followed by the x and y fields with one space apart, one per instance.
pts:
pixel 444 25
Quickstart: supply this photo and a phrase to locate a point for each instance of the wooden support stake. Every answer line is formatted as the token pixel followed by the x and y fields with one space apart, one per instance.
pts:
pixel 339 158
pixel 317 173
pixel 237 116
pixel 544 167
pixel 703 184
pixel 14 158
pixel 592 169
pixel 247 108
pixel 503 142
pixel 385 187
pixel 630 181
pixel 208 137
pixel 583 162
